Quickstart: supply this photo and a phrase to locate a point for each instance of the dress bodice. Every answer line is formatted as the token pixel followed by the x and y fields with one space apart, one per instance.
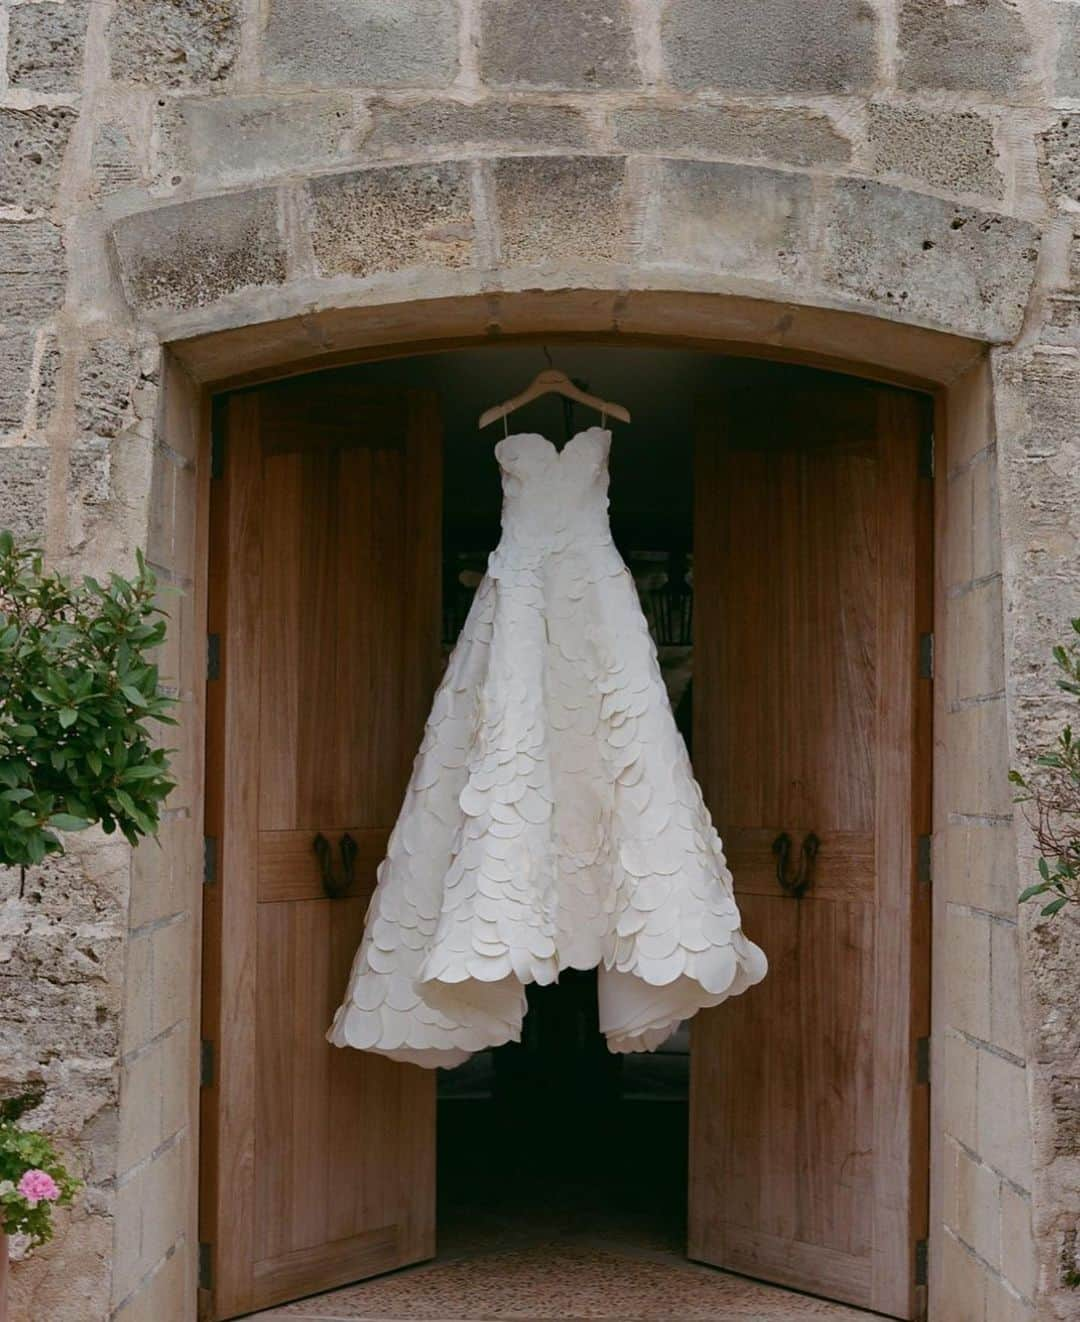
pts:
pixel 549 494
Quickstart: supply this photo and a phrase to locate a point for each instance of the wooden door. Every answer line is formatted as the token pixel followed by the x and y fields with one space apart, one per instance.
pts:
pixel 317 1162
pixel 808 1120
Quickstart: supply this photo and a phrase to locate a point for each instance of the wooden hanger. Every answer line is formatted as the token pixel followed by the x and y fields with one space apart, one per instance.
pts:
pixel 551 381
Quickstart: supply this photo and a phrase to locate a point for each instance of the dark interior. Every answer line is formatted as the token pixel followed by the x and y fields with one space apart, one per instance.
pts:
pixel 555 1137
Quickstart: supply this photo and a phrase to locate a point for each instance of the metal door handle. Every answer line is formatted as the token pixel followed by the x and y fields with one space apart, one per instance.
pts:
pixel 800 883
pixel 334 887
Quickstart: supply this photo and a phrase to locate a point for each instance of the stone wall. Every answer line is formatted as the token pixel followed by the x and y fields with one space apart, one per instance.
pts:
pixel 172 168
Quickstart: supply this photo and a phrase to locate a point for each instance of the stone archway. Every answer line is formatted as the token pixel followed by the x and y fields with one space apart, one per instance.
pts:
pixel 843 272
pixel 238 350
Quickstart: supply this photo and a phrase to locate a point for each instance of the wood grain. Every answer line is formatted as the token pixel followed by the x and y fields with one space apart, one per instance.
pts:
pixel 806 1163
pixel 320 1166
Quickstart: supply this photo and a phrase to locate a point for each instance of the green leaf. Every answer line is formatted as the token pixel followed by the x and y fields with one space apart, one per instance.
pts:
pixel 68 717
pixel 1029 892
pixel 1044 869
pixel 64 821
pixel 133 695
pixel 1054 906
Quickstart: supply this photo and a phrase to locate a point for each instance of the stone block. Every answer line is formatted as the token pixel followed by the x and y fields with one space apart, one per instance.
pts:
pixel 165 1296
pixel 1004 1132
pixel 32 146
pixel 1067 71
pixel 930 260
pixel 962 1296
pixel 959 537
pixel 1003 1304
pixel 173 43
pixel 560 209
pixel 1059 159
pixel 974 643
pixel 801 137
pixel 985 517
pixel 977 759
pixel 16 362
pixel 236 139
pixel 771 45
pixel 140 1107
pixel 977 1210
pixel 108 376
pixel 1006 989
pixel 193 253
pixel 138 1009
pixel 967 972
pixel 32 271
pixel 362 43
pixel 45 45
pixel 24 492
pixel 113 161
pixel 438 125
pixel 953 150
pixel 48 381
pixel 380 220
pixel 578 45
pixel 738 219
pixel 971 46
pixel 170 990
pixel 1017 1242
pixel 978 866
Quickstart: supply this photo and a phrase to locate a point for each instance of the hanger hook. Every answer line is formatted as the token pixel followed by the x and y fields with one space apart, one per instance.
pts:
pixel 547 355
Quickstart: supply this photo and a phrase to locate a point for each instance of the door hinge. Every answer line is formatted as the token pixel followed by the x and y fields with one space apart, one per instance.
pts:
pixel 206 1063
pixel 922 1256
pixel 926 656
pixel 206 1266
pixel 924 853
pixel 926 453
pixel 213 656
pixel 922 1060
pixel 209 861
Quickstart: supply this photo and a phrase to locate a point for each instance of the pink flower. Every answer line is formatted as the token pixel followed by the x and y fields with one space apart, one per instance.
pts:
pixel 37 1185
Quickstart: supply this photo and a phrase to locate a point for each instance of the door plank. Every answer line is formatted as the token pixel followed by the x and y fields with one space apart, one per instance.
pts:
pixel 318 1164
pixel 808 1144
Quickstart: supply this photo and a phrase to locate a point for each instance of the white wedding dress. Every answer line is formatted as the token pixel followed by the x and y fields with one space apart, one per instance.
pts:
pixel 552 820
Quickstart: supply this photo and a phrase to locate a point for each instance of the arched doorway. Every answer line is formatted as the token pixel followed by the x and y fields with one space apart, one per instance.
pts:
pixel 810 521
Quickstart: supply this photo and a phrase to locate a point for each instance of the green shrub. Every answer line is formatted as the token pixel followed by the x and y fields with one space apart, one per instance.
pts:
pixel 76 695
pixel 1052 789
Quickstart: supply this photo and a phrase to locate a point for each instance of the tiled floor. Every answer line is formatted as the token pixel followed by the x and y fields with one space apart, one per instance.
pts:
pixel 567 1281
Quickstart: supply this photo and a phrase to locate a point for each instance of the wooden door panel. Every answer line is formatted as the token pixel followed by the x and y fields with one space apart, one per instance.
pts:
pixel 318 1167
pixel 807 1122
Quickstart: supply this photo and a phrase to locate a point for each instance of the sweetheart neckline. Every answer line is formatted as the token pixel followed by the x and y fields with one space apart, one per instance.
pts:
pixel 551 446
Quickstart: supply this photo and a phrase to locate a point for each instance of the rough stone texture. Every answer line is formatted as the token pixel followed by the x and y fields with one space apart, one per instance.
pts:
pixel 1067 80
pixel 436 125
pixel 113 163
pixel 45 45
pixel 571 44
pixel 231 140
pixel 729 218
pixel 560 208
pixel 930 258
pixel 1059 159
pixel 16 359
pixel 770 46
pixel 31 270
pixel 801 137
pixel 107 379
pixel 32 146
pixel 23 475
pixel 411 43
pixel 974 45
pixel 171 43
pixel 197 252
pixel 387 220
pixel 953 151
